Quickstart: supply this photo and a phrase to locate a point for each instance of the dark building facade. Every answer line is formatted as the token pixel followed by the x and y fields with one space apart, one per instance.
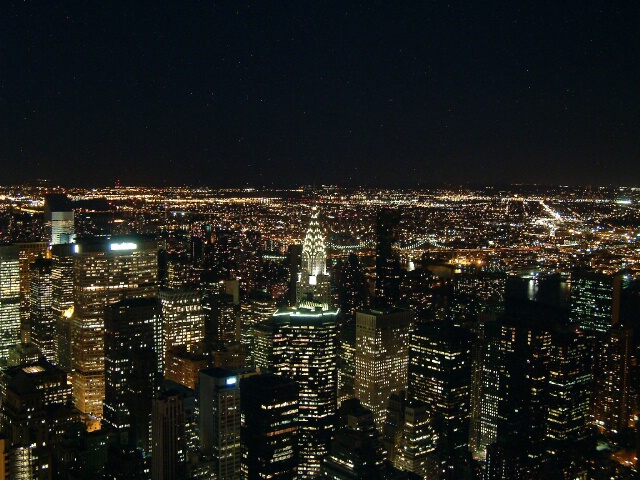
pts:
pixel 440 376
pixel 169 448
pixel 131 369
pixel 388 270
pixel 268 435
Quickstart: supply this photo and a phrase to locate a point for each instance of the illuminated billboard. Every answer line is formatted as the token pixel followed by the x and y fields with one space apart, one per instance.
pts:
pixel 123 246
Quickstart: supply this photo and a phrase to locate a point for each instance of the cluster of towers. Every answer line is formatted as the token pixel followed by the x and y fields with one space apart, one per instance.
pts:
pixel 114 369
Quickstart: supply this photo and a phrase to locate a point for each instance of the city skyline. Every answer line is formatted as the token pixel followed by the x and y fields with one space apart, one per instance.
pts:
pixel 325 333
pixel 319 240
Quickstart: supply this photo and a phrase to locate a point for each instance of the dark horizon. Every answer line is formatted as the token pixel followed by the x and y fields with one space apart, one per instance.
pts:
pixel 45 183
pixel 396 95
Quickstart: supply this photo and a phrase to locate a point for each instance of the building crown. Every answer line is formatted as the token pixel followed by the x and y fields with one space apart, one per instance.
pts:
pixel 314 256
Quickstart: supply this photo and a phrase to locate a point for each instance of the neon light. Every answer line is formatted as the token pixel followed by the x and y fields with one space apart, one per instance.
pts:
pixel 123 246
pixel 231 381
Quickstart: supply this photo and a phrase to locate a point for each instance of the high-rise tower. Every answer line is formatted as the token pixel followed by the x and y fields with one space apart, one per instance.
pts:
pixel 9 300
pixel 43 324
pixel 313 282
pixel 611 399
pixel 308 354
pixel 269 427
pixel 131 370
pixel 220 421
pixel 183 320
pixel 382 357
pixel 440 376
pixel 169 449
pixel 105 271
pixel 387 263
pixel 62 301
pixel 595 301
pixel 58 214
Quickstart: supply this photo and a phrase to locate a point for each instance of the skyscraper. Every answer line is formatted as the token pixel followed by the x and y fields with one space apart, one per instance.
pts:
pixel 381 357
pixel 477 373
pixel 346 361
pixel 169 447
pixel 387 263
pixel 568 413
pixel 308 356
pixel 257 308
pixel 62 301
pixel 313 282
pixel 415 451
pixel 28 253
pixel 9 299
pixel 220 421
pixel 515 388
pixel 268 437
pixel 611 399
pixel 105 270
pixel 43 323
pixel 595 301
pixel 269 346
pixel 440 376
pixel 34 414
pixel 221 315
pixel 58 216
pixel 131 369
pixel 352 288
pixel 356 451
pixel 183 319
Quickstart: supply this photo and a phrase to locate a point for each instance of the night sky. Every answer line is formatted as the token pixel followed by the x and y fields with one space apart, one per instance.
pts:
pixel 414 93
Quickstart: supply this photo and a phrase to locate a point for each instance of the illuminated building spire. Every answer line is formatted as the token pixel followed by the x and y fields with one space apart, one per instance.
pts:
pixel 312 288
pixel 314 256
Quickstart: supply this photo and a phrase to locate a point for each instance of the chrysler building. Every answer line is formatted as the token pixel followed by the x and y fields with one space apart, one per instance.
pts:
pixel 312 288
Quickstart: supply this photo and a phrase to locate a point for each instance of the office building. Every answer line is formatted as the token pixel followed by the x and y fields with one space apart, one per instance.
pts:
pixel 183 367
pixel 440 376
pixel 309 357
pixel 268 436
pixel 28 253
pixel 352 288
pixel 169 447
pixel 23 354
pixel 258 307
pixel 595 301
pixel 269 345
pixel 230 356
pixel 221 316
pixel 43 323
pixel 356 451
pixel 477 371
pixel 611 402
pixel 131 369
pixel 568 413
pixel 346 362
pixel 58 217
pixel 515 392
pixel 62 302
pixel 220 421
pixel 381 357
pixel 106 270
pixel 387 291
pixel 415 451
pixel 183 319
pixel 9 299
pixel 34 416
